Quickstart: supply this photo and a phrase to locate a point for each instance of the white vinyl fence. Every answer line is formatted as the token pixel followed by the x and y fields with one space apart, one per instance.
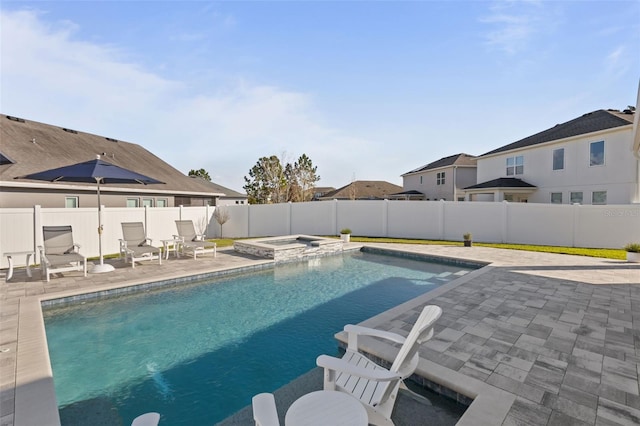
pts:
pixel 610 226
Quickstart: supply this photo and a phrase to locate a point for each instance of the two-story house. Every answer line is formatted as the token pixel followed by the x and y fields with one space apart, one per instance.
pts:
pixel 587 160
pixel 444 179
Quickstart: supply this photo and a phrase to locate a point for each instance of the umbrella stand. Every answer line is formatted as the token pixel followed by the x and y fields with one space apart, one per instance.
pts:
pixel 102 267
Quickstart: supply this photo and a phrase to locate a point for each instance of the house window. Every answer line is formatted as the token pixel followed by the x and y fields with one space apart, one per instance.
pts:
pixel 576 197
pixel 599 197
pixel 558 159
pixel 161 202
pixel 556 197
pixel 596 153
pixel 133 202
pixel 71 202
pixel 147 202
pixel 421 180
pixel 515 165
pixel 440 178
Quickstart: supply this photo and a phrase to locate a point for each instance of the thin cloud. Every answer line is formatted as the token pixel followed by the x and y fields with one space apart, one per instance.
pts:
pixel 48 75
pixel 513 25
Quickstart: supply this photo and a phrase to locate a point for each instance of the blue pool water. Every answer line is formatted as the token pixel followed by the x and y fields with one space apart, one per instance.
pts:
pixel 197 353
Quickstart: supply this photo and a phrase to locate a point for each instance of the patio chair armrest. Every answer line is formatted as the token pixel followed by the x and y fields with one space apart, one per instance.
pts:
pixel 43 255
pixel 353 331
pixel 337 364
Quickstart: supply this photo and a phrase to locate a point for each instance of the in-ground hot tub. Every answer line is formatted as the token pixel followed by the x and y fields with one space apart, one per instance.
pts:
pixel 289 247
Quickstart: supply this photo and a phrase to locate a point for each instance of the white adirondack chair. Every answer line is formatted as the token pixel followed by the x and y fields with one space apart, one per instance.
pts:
pixel 264 410
pixel 146 419
pixel 375 386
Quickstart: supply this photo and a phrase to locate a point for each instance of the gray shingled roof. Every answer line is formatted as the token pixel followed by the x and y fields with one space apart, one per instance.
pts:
pixel 502 183
pixel 588 123
pixel 461 159
pixel 34 147
pixel 364 190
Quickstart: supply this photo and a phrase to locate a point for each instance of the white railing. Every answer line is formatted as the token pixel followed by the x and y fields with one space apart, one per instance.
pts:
pixel 610 226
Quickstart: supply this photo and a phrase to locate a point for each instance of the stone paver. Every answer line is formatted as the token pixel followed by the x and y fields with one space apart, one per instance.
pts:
pixel 559 333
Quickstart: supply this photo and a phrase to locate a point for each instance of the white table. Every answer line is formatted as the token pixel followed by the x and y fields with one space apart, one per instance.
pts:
pixel 322 408
pixel 11 255
pixel 176 246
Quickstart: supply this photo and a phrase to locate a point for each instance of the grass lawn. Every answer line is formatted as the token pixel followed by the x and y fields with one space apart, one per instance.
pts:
pixel 618 254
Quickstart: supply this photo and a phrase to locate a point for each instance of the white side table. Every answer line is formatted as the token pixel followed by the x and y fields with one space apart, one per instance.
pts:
pixel 176 246
pixel 322 408
pixel 11 255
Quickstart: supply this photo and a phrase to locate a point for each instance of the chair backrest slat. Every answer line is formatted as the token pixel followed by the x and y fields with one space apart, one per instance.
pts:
pixel 421 330
pixel 186 229
pixel 57 239
pixel 133 232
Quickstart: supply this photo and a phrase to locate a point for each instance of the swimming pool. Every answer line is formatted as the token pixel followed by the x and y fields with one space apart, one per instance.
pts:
pixel 198 353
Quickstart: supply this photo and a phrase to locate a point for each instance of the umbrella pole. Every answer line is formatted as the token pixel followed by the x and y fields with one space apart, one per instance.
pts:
pixel 101 267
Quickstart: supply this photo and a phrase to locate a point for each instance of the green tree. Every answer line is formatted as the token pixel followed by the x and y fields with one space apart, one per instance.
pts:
pixel 266 182
pixel 271 182
pixel 200 173
pixel 306 176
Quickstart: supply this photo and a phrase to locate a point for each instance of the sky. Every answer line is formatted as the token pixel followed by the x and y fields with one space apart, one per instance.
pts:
pixel 368 90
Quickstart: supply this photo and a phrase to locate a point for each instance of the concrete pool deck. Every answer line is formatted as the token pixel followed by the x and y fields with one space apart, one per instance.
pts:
pixel 534 338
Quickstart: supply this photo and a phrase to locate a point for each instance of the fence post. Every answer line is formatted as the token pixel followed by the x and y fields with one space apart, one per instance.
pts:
pixel 385 219
pixel 146 218
pixel 180 212
pixel 505 222
pixel 37 233
pixel 441 219
pixel 335 216
pixel 248 220
pixel 289 219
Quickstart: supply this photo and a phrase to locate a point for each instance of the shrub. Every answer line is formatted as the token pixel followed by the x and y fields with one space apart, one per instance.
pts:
pixel 345 231
pixel 633 247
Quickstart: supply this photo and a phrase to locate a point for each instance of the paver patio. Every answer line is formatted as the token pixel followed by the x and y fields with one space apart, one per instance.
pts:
pixel 535 338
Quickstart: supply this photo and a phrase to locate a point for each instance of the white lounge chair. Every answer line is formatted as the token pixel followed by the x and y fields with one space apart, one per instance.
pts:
pixel 60 253
pixel 192 243
pixel 375 386
pixel 135 246
pixel 146 419
pixel 264 410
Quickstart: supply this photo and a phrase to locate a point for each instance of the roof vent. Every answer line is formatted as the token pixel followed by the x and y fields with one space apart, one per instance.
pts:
pixel 19 120
pixel 75 132
pixel 111 140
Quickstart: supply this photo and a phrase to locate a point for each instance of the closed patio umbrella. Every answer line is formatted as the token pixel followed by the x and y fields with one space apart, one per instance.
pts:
pixel 102 173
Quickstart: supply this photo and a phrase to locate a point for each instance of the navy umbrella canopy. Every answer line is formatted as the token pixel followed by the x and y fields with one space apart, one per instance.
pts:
pixel 100 172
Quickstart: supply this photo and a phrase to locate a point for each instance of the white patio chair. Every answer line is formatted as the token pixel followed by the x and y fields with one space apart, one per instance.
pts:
pixel 135 246
pixel 377 387
pixel 60 253
pixel 191 242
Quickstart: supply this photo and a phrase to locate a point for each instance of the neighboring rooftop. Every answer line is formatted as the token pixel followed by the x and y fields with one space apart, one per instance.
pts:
pixel 502 183
pixel 588 123
pixel 30 146
pixel 363 190
pixel 461 159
